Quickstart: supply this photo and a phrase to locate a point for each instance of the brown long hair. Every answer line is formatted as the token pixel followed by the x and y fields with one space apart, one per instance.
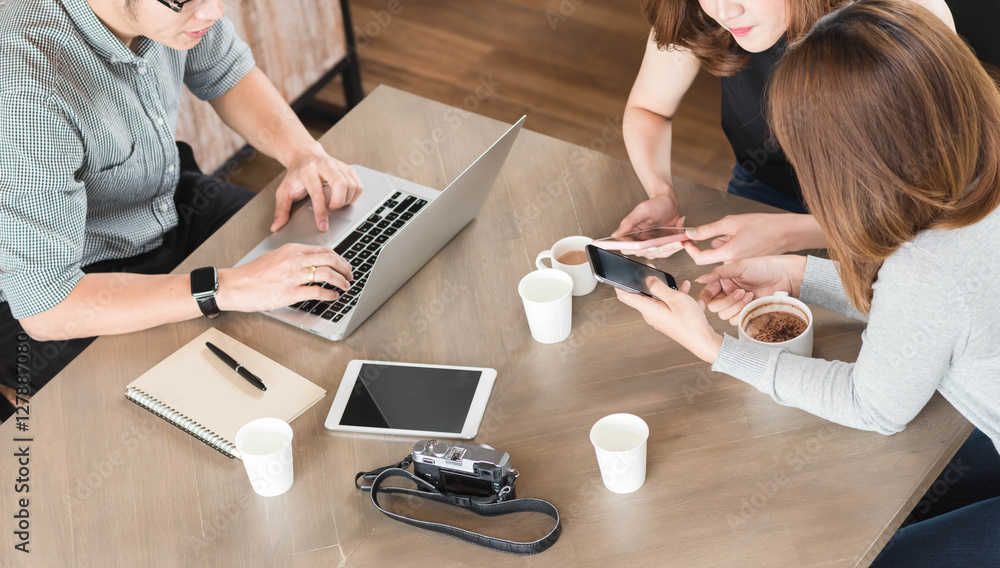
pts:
pixel 893 128
pixel 683 23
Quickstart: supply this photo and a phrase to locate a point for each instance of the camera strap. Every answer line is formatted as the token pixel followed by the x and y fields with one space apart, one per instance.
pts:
pixel 485 506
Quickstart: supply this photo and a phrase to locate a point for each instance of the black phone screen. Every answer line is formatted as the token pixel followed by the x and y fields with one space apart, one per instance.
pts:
pixel 625 273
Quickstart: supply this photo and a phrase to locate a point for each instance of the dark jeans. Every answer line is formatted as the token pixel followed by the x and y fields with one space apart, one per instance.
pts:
pixel 745 185
pixel 203 204
pixel 957 523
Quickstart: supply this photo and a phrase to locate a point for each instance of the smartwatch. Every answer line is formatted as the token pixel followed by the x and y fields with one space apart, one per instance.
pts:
pixel 204 285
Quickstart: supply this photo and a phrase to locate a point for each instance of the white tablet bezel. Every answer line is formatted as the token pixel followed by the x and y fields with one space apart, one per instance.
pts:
pixel 474 417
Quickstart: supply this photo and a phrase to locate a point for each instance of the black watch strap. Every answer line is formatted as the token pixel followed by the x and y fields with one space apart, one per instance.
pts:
pixel 204 285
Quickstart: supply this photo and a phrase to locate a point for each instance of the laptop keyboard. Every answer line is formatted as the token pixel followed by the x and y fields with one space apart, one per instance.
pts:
pixel 361 248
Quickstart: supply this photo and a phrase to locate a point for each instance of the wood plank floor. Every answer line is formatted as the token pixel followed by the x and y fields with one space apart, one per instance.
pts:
pixel 567 64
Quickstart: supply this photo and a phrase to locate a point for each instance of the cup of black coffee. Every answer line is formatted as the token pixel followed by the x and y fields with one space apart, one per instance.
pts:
pixel 778 321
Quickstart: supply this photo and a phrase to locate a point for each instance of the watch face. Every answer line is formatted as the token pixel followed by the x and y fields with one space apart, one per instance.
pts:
pixel 204 282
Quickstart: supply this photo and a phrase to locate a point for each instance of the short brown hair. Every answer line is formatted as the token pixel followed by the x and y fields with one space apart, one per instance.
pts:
pixel 893 128
pixel 682 23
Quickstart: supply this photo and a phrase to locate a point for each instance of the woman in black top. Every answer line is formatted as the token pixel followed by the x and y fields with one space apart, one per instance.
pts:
pixel 740 41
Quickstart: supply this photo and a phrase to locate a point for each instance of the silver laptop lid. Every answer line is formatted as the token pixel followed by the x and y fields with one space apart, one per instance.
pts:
pixel 427 233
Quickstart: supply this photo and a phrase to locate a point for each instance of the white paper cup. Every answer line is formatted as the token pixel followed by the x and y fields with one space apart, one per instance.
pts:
pixel 620 443
pixel 581 273
pixel 265 445
pixel 780 302
pixel 548 304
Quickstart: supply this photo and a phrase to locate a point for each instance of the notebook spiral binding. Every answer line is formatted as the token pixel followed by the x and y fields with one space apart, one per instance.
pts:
pixel 167 413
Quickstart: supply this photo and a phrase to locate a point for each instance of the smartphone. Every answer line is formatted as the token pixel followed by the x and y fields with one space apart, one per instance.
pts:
pixel 625 273
pixel 641 240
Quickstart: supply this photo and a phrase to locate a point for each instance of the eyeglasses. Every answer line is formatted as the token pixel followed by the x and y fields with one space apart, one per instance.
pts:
pixel 182 6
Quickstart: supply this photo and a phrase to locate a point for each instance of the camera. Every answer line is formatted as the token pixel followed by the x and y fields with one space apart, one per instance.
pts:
pixel 463 469
pixel 475 477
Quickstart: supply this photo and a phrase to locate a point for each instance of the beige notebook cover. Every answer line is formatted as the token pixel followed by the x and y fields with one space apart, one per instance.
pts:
pixel 195 391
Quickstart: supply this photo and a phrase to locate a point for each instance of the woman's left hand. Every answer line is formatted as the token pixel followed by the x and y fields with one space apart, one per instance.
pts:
pixel 678 316
pixel 736 237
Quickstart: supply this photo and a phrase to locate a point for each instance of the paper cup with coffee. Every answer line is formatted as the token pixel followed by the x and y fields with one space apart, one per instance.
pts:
pixel 778 321
pixel 570 256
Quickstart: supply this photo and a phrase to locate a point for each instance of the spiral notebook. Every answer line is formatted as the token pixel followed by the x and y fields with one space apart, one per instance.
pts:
pixel 195 391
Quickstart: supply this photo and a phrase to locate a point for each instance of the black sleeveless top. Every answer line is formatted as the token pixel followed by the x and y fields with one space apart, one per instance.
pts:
pixel 743 120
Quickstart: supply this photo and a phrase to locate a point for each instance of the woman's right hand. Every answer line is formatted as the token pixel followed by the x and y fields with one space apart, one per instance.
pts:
pixel 659 211
pixel 280 278
pixel 664 77
pixel 731 286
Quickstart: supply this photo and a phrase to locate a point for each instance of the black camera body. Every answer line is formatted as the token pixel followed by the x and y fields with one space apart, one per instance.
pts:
pixel 464 470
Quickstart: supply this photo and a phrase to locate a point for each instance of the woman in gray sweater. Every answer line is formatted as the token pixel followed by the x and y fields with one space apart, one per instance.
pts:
pixel 893 128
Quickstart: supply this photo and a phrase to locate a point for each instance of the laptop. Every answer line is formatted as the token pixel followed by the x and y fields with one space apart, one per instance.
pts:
pixel 387 235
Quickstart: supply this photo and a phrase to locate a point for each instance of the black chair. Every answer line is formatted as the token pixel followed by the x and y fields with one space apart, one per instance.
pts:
pixel 6 409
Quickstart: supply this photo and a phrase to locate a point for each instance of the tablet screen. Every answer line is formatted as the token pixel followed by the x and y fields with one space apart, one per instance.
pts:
pixel 411 398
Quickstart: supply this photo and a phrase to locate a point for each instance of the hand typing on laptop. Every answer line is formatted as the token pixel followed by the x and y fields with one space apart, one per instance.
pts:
pixel 329 183
pixel 281 277
pixel 386 235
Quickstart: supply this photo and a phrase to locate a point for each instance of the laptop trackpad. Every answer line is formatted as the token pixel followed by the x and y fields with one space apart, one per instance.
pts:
pixel 303 230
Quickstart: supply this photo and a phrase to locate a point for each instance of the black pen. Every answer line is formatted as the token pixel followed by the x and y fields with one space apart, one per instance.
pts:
pixel 240 369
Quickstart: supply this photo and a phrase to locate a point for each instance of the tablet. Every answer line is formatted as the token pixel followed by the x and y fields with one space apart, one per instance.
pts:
pixel 410 399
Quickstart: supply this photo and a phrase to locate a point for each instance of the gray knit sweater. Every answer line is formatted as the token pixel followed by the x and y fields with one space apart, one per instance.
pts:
pixel 934 324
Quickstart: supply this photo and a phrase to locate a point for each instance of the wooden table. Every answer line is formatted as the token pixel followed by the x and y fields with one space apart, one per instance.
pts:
pixel 733 478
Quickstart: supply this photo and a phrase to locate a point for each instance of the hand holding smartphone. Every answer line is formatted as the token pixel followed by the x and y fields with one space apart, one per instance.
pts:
pixel 642 240
pixel 625 273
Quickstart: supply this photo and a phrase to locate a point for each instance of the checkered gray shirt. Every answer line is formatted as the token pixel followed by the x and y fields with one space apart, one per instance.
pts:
pixel 88 162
